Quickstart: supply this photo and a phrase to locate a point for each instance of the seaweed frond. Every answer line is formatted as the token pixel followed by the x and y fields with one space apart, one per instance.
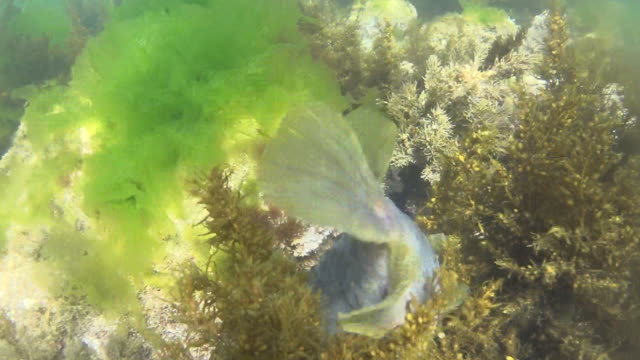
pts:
pixel 503 46
pixel 336 41
pixel 251 300
pixel 383 67
pixel 543 218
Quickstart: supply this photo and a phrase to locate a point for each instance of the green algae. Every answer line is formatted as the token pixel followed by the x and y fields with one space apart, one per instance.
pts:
pixel 150 127
pixel 38 18
pixel 172 101
pixel 487 15
pixel 153 100
pixel 40 38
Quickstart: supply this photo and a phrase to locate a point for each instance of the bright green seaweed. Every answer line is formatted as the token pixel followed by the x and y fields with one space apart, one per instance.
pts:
pixel 157 95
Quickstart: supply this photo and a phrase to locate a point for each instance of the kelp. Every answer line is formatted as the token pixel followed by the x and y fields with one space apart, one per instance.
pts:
pixel 544 232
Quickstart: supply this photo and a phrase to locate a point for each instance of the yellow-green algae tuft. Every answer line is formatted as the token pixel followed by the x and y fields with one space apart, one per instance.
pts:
pixel 101 163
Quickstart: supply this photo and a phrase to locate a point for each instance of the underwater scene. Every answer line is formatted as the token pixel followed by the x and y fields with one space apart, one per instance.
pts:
pixel 319 179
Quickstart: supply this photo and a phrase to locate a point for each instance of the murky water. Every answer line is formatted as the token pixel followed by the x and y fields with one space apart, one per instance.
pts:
pixel 504 131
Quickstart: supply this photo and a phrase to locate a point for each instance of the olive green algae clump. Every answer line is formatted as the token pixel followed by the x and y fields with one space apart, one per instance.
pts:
pixel 555 217
pixel 251 300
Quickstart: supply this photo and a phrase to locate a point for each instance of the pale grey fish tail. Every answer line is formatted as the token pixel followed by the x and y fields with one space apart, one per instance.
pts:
pixel 316 170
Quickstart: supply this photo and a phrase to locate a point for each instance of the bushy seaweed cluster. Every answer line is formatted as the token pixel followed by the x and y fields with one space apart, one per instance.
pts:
pixel 107 153
pixel 251 300
pixel 435 79
pixel 337 40
pixel 555 218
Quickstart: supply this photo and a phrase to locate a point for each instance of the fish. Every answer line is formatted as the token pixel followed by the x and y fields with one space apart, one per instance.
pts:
pixel 315 168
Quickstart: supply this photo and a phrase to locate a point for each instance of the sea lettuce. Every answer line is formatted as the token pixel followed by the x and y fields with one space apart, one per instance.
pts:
pixel 160 95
